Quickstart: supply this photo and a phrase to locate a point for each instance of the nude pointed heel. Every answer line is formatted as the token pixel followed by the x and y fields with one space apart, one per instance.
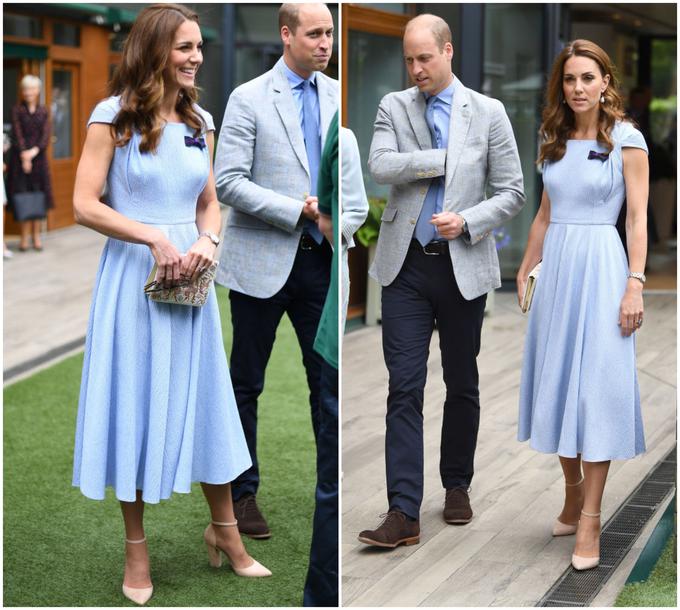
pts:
pixel 255 570
pixel 135 594
pixel 566 529
pixel 586 563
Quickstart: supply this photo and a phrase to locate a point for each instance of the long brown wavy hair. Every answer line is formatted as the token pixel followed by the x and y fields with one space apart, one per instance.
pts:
pixel 139 77
pixel 558 117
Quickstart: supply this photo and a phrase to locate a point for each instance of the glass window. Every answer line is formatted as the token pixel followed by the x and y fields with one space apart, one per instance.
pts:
pixel 62 113
pixel 375 67
pixel 66 34
pixel 513 74
pixel 663 106
pixel 10 91
pixel 389 7
pixel 20 25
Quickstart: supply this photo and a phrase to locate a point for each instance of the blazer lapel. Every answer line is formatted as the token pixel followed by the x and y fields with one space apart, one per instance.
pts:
pixel 285 106
pixel 416 114
pixel 458 128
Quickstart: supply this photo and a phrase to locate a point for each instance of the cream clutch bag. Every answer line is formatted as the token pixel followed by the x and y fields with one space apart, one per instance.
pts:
pixel 531 286
pixel 186 292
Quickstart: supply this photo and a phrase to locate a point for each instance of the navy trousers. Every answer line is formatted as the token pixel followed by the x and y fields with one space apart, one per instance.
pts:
pixel 321 588
pixel 254 323
pixel 425 293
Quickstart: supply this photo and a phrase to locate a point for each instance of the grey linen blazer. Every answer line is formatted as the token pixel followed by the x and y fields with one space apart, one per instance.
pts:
pixel 481 154
pixel 261 172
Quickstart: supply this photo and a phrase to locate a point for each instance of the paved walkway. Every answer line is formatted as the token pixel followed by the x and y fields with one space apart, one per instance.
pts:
pixel 506 555
pixel 47 299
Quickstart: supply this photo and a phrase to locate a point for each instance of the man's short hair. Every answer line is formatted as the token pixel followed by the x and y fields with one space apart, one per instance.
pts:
pixel 289 15
pixel 439 28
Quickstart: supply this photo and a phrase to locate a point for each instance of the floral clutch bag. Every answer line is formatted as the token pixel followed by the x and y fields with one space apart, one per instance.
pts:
pixel 185 292
pixel 531 286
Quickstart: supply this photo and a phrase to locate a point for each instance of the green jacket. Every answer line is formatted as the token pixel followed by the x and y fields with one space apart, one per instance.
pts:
pixel 326 342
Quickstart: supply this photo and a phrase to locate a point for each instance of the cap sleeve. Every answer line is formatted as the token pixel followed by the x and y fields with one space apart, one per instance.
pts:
pixel 207 117
pixel 628 136
pixel 105 111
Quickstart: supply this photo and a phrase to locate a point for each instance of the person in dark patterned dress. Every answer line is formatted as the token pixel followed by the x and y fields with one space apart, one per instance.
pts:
pixel 28 168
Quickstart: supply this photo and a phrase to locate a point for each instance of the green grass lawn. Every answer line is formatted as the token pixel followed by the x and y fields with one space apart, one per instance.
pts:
pixel 62 549
pixel 659 590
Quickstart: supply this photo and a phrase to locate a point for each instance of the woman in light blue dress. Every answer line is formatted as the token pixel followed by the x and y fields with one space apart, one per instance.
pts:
pixel 579 393
pixel 157 410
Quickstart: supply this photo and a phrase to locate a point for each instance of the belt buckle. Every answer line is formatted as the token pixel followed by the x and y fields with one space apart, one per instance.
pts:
pixel 430 253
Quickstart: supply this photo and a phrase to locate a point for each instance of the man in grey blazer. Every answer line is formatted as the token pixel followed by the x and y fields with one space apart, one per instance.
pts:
pixel 274 259
pixel 442 147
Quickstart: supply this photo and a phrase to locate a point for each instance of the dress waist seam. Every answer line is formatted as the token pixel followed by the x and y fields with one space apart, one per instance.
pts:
pixel 582 222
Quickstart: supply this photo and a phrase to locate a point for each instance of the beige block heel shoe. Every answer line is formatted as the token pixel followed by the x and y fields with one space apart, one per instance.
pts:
pixel 134 594
pixel 566 529
pixel 255 570
pixel 586 563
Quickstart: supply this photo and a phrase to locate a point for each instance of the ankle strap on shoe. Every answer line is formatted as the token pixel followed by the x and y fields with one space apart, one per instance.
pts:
pixel 575 484
pixel 590 514
pixel 136 541
pixel 225 524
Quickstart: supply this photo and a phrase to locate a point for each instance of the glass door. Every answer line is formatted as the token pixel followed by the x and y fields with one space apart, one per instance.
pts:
pixel 65 139
pixel 513 74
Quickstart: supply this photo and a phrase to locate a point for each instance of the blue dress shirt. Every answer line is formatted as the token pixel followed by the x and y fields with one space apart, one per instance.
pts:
pixel 438 118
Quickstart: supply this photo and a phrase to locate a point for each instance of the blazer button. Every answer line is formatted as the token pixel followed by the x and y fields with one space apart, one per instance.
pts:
pixel 413 221
pixel 423 191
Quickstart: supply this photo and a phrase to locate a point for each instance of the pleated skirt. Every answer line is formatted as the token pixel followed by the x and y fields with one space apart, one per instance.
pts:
pixel 156 409
pixel 579 390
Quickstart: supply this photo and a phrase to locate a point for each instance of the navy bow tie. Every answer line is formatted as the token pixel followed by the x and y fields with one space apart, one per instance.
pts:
pixel 598 155
pixel 198 142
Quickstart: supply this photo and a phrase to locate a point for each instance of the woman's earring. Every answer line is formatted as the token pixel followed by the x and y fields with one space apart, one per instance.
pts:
pixel 564 101
pixel 602 98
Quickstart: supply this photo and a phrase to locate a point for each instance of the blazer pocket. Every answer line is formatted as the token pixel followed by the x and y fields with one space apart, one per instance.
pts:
pixel 388 214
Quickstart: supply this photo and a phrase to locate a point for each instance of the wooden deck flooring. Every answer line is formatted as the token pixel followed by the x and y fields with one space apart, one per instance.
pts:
pixel 506 555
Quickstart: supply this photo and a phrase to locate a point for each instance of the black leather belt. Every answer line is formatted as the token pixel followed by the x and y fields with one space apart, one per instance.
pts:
pixel 433 248
pixel 307 242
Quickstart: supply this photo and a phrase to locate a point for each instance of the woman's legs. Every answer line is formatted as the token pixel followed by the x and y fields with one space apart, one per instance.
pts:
pixel 25 227
pixel 222 511
pixel 588 533
pixel 573 501
pixel 36 226
pixel 136 555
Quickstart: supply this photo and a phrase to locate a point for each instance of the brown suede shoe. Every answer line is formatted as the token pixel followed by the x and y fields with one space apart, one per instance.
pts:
pixel 251 523
pixel 395 529
pixel 457 508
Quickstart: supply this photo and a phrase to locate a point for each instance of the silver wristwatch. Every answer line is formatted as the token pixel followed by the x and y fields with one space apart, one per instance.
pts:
pixel 638 276
pixel 211 236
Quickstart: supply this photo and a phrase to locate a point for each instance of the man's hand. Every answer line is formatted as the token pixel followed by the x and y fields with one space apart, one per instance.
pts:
pixel 311 208
pixel 449 225
pixel 325 224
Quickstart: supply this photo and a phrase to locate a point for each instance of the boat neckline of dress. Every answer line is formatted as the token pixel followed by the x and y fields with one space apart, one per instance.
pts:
pixel 580 140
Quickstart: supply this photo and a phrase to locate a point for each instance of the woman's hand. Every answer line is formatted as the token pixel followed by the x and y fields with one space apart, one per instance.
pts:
pixel 631 310
pixel 168 260
pixel 199 257
pixel 522 279
pixel 26 165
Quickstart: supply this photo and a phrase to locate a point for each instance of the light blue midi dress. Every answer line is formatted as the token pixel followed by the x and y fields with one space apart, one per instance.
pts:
pixel 157 409
pixel 579 390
